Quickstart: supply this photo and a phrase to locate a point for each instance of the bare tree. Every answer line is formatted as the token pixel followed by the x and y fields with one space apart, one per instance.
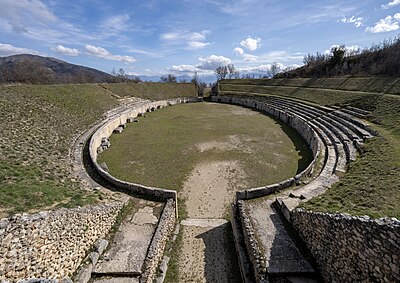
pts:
pixel 231 70
pixel 221 72
pixel 169 78
pixel 275 69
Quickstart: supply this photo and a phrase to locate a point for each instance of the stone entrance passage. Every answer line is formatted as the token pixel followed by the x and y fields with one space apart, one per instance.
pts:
pixel 123 261
pixel 207 252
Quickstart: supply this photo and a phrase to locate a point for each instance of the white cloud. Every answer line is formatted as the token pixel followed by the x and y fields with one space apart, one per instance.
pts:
pixel 206 66
pixel 349 49
pixel 238 51
pixel 8 49
pixel 385 25
pixel 358 22
pixel 103 53
pixel 212 62
pixel 117 23
pixel 192 40
pixel 197 44
pixel 251 44
pixel 246 57
pixel 183 69
pixel 250 58
pixel 391 4
pixel 261 69
pixel 65 50
pixel 20 14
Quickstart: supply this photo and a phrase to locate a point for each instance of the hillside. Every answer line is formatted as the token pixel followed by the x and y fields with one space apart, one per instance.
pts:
pixel 26 68
pixel 379 60
pixel 39 125
pixel 371 184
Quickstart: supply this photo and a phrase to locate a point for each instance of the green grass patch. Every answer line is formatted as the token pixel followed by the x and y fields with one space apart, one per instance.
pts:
pixel 164 147
pixel 39 124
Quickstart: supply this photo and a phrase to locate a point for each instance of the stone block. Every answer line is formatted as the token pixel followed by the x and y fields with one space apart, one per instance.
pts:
pixel 118 130
pixel 100 245
pixel 104 166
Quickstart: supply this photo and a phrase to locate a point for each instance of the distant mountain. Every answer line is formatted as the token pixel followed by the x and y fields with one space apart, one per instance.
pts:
pixel 186 78
pixel 26 68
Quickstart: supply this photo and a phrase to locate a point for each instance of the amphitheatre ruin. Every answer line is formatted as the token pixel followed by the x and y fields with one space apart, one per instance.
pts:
pixel 260 182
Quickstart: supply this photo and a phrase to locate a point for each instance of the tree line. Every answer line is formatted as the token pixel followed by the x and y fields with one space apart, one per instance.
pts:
pixel 381 59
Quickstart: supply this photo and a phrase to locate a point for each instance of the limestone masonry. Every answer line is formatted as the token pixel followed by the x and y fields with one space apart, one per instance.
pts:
pixel 346 248
pixel 349 248
pixel 51 244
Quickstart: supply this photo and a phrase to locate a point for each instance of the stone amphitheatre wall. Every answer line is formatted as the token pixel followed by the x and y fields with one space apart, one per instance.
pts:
pixel 305 131
pixel 161 236
pixel 349 248
pixel 346 248
pixel 168 217
pixel 106 130
pixel 51 244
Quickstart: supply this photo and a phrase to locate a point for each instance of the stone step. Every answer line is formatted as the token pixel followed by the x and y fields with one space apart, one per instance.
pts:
pixel 204 222
pixel 265 234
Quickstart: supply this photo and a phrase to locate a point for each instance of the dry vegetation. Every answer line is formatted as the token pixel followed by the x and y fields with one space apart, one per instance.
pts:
pixel 379 60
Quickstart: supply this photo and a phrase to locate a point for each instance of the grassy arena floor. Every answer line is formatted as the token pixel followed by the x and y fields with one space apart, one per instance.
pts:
pixel 164 147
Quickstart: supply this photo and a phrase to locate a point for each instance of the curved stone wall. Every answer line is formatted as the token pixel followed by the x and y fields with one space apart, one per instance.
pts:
pixel 106 130
pixel 302 128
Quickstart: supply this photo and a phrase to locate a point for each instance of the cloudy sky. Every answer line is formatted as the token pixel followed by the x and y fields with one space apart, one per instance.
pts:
pixel 155 37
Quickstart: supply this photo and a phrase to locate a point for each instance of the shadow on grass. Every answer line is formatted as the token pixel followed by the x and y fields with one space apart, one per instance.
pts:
pixel 300 144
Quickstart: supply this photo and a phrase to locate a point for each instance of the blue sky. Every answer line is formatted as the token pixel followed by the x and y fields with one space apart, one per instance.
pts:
pixel 155 37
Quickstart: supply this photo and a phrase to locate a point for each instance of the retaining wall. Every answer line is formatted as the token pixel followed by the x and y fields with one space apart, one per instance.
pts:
pixel 302 128
pixel 51 244
pixel 106 130
pixel 161 236
pixel 349 248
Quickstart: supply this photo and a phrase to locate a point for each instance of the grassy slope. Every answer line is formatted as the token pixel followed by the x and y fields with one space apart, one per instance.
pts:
pixel 161 150
pixel 365 84
pixel 372 183
pixel 152 91
pixel 38 125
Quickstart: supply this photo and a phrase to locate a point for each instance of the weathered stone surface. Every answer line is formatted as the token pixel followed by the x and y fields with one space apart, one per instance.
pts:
pixel 129 246
pixel 116 280
pixel 52 244
pixel 100 245
pixel 104 166
pixel 349 248
pixel 118 130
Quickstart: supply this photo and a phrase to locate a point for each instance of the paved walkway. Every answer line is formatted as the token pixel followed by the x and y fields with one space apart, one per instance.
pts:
pixel 123 261
pixel 207 252
pixel 281 253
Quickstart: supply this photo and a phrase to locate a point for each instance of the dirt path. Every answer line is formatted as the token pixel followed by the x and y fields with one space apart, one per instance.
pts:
pixel 207 252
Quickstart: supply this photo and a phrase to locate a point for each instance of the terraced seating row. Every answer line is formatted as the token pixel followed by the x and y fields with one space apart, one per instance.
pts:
pixel 340 133
pixel 333 135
